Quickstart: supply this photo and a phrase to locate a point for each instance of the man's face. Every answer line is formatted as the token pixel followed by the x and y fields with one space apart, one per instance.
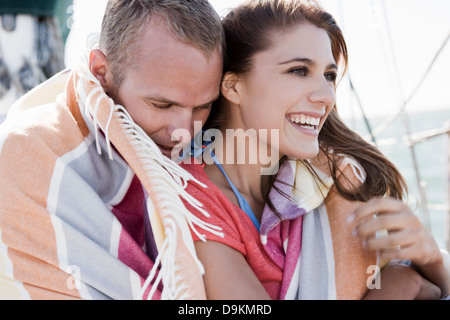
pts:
pixel 172 87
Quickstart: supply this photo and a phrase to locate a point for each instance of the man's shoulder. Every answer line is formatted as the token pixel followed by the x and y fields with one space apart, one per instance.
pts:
pixel 28 136
pixel 30 128
pixel 41 120
pixel 34 111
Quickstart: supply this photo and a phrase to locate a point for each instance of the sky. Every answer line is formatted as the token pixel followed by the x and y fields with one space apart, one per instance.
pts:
pixel 391 45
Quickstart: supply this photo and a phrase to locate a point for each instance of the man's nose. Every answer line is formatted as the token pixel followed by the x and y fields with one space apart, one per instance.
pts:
pixel 181 129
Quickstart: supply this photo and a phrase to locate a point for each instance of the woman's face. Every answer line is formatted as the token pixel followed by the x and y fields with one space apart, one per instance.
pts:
pixel 291 88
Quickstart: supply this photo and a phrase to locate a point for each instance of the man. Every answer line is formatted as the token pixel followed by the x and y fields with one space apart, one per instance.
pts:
pixel 89 204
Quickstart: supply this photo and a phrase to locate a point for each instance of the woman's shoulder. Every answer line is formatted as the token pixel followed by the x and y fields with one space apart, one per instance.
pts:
pixel 221 212
pixel 204 190
pixel 197 170
pixel 350 172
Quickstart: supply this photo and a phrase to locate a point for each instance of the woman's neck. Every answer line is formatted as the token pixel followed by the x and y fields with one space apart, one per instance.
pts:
pixel 238 153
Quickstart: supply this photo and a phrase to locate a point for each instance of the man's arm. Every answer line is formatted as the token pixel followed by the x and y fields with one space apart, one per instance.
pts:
pixel 401 282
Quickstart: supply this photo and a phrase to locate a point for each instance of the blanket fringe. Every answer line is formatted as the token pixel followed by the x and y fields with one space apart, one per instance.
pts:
pixel 169 181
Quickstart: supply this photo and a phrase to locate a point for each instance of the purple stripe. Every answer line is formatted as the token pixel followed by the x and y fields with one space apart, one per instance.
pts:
pixel 284 205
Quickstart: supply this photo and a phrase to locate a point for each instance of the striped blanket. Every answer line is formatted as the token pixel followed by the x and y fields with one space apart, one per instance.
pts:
pixel 321 260
pixel 89 207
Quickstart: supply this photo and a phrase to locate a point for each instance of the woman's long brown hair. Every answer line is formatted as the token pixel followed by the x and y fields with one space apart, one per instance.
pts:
pixel 248 30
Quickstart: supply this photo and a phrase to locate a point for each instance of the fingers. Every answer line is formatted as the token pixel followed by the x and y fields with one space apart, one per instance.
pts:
pixel 389 227
pixel 388 216
pixel 386 221
pixel 376 206
pixel 394 241
pixel 402 252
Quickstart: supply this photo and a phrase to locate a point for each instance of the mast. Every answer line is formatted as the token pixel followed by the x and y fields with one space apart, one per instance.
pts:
pixel 447 229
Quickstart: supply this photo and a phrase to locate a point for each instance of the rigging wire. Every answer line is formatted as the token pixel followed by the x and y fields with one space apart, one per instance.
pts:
pixel 383 126
pixel 352 87
pixel 406 121
pixel 402 112
pixel 366 120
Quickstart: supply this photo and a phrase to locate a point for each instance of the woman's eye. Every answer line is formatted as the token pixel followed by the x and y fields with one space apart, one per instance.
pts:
pixel 331 76
pixel 302 71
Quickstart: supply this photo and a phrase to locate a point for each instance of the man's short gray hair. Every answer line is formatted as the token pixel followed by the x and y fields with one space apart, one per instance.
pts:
pixel 194 22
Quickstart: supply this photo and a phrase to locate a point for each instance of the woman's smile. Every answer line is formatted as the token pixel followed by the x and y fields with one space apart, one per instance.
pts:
pixel 307 123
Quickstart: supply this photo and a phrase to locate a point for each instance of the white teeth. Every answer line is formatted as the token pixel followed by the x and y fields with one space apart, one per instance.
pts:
pixel 304 119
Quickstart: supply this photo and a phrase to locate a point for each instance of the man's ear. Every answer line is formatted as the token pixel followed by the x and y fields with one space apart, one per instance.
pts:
pixel 231 88
pixel 99 68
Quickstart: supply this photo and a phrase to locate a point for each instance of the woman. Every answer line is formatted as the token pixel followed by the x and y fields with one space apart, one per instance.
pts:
pixel 292 234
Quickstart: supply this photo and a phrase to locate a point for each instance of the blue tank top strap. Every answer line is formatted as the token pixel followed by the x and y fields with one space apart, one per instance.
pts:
pixel 199 147
pixel 243 204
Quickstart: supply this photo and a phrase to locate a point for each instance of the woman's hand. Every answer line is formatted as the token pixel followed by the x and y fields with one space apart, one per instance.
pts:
pixel 404 238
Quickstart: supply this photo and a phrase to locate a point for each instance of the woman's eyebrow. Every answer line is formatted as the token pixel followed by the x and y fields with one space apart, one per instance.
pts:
pixel 304 60
pixel 308 62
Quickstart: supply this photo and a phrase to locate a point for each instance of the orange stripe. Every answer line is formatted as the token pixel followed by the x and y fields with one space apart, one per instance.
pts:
pixel 26 167
pixel 351 260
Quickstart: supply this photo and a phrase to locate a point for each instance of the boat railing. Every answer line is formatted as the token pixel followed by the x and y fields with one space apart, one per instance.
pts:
pixel 411 141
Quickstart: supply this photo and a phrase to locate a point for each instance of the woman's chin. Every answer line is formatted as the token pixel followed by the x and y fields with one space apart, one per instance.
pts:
pixel 304 152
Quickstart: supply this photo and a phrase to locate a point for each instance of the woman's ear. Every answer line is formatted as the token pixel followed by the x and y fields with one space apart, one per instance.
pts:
pixel 230 88
pixel 99 68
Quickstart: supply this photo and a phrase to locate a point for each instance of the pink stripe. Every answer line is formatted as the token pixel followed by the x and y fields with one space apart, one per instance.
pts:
pixel 293 232
pixel 136 259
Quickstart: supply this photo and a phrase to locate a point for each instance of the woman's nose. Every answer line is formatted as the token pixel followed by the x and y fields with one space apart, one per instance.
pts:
pixel 323 93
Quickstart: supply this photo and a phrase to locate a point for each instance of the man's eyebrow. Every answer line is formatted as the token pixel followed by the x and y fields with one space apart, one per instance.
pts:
pixel 308 62
pixel 160 100
pixel 174 103
pixel 208 103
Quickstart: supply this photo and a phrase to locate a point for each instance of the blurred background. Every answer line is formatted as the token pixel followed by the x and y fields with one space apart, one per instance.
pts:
pixel 396 93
